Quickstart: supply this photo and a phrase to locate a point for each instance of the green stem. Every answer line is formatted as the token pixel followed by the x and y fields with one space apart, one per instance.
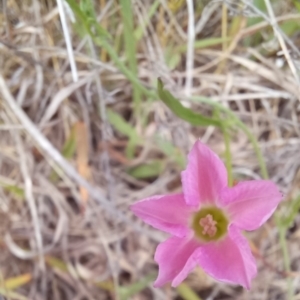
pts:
pixel 228 160
pixel 285 252
pixel 242 126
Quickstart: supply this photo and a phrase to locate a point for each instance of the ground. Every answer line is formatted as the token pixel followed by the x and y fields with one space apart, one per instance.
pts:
pixel 85 133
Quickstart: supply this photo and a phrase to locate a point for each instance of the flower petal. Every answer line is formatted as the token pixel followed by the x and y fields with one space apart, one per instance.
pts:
pixel 204 177
pixel 175 260
pixel 168 213
pixel 229 260
pixel 251 203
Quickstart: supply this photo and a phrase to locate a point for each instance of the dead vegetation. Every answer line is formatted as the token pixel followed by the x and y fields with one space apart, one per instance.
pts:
pixel 77 145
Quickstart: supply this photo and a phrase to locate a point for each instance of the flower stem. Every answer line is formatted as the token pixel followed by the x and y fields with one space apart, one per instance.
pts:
pixel 239 124
pixel 286 257
pixel 228 159
pixel 186 292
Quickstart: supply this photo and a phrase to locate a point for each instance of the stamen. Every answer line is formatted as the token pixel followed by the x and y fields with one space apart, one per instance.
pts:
pixel 209 225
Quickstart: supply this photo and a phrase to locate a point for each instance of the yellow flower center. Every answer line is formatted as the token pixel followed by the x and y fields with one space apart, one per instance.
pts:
pixel 209 224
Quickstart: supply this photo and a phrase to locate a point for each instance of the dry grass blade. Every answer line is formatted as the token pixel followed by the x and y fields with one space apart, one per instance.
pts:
pixel 49 150
pixel 59 97
pixel 190 48
pixel 60 5
pixel 31 201
pixel 282 43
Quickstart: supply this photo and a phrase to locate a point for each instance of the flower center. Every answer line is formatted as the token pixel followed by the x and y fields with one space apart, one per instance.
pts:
pixel 209 224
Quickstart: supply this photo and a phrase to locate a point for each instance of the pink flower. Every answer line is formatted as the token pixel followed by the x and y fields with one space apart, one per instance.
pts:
pixel 206 220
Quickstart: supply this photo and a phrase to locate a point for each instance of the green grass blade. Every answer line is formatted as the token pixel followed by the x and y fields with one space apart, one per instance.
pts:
pixel 126 129
pixel 130 49
pixel 84 12
pixel 286 257
pixel 118 122
pixel 182 112
pixel 80 15
pixel 204 43
pixel 147 170
pixel 138 33
pixel 228 160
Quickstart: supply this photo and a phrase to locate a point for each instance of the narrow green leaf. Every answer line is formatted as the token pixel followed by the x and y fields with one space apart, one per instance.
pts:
pixel 228 159
pixel 286 256
pixel 80 15
pixel 148 170
pixel 138 33
pixel 130 148
pixel 204 43
pixel 87 7
pixel 126 129
pixel 85 15
pixel 182 112
pixel 118 122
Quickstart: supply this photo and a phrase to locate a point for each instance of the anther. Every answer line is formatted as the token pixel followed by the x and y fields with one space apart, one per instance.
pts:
pixel 209 225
